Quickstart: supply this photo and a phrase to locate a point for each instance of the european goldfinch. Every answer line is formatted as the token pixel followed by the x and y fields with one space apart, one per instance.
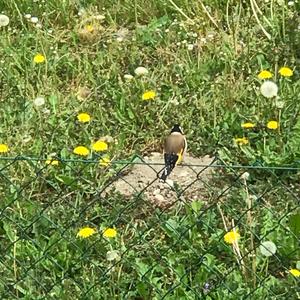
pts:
pixel 174 148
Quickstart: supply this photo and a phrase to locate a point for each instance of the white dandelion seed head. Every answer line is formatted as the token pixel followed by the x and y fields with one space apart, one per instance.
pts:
pixel 128 77
pixel 39 101
pixel 267 248
pixel 141 71
pixel 34 20
pixel 4 20
pixel 269 89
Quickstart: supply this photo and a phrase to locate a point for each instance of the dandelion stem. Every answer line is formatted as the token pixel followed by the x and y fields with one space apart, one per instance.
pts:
pixel 283 22
pixel 222 216
pixel 180 10
pixel 235 245
pixel 271 9
pixel 227 16
pixel 15 264
pixel 257 20
pixel 261 13
pixel 135 13
pixel 208 14
pixel 250 225
pixel 238 254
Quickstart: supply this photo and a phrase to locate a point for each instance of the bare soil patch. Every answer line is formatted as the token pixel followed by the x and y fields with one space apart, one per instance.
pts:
pixel 187 182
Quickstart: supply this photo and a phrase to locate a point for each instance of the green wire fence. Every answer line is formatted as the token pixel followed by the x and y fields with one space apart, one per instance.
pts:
pixel 80 230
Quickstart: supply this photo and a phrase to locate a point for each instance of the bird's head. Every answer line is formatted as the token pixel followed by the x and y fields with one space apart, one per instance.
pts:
pixel 177 128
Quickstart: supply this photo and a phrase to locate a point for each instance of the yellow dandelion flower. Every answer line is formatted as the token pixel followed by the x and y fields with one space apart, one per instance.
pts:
pixel 264 74
pixel 52 162
pixel 104 161
pixel 4 148
pixel 241 141
pixel 83 117
pixel 110 233
pixel 285 72
pixel 89 28
pixel 232 237
pixel 248 125
pixel 272 125
pixel 295 272
pixel 100 146
pixel 81 150
pixel 39 58
pixel 149 95
pixel 86 232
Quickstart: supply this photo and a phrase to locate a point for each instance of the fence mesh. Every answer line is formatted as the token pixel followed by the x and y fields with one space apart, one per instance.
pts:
pixel 228 232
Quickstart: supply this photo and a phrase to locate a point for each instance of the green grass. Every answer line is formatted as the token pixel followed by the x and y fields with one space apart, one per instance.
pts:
pixel 210 90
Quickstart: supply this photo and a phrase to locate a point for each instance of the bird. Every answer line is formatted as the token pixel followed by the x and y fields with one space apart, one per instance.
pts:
pixel 174 149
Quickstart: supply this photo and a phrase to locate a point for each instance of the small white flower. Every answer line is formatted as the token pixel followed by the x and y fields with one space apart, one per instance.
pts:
pixel 128 77
pixel 26 138
pixel 190 47
pixel 100 17
pixel 140 71
pixel 81 12
pixel 46 111
pixel 280 2
pixel 27 16
pixel 112 255
pixel 267 248
pixel 39 101
pixel 38 25
pixel 4 20
pixel 269 89
pixel 279 104
pixel 119 39
pixel 34 20
pixel 290 3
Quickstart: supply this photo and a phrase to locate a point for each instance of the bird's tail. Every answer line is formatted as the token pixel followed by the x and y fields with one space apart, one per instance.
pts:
pixel 170 162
